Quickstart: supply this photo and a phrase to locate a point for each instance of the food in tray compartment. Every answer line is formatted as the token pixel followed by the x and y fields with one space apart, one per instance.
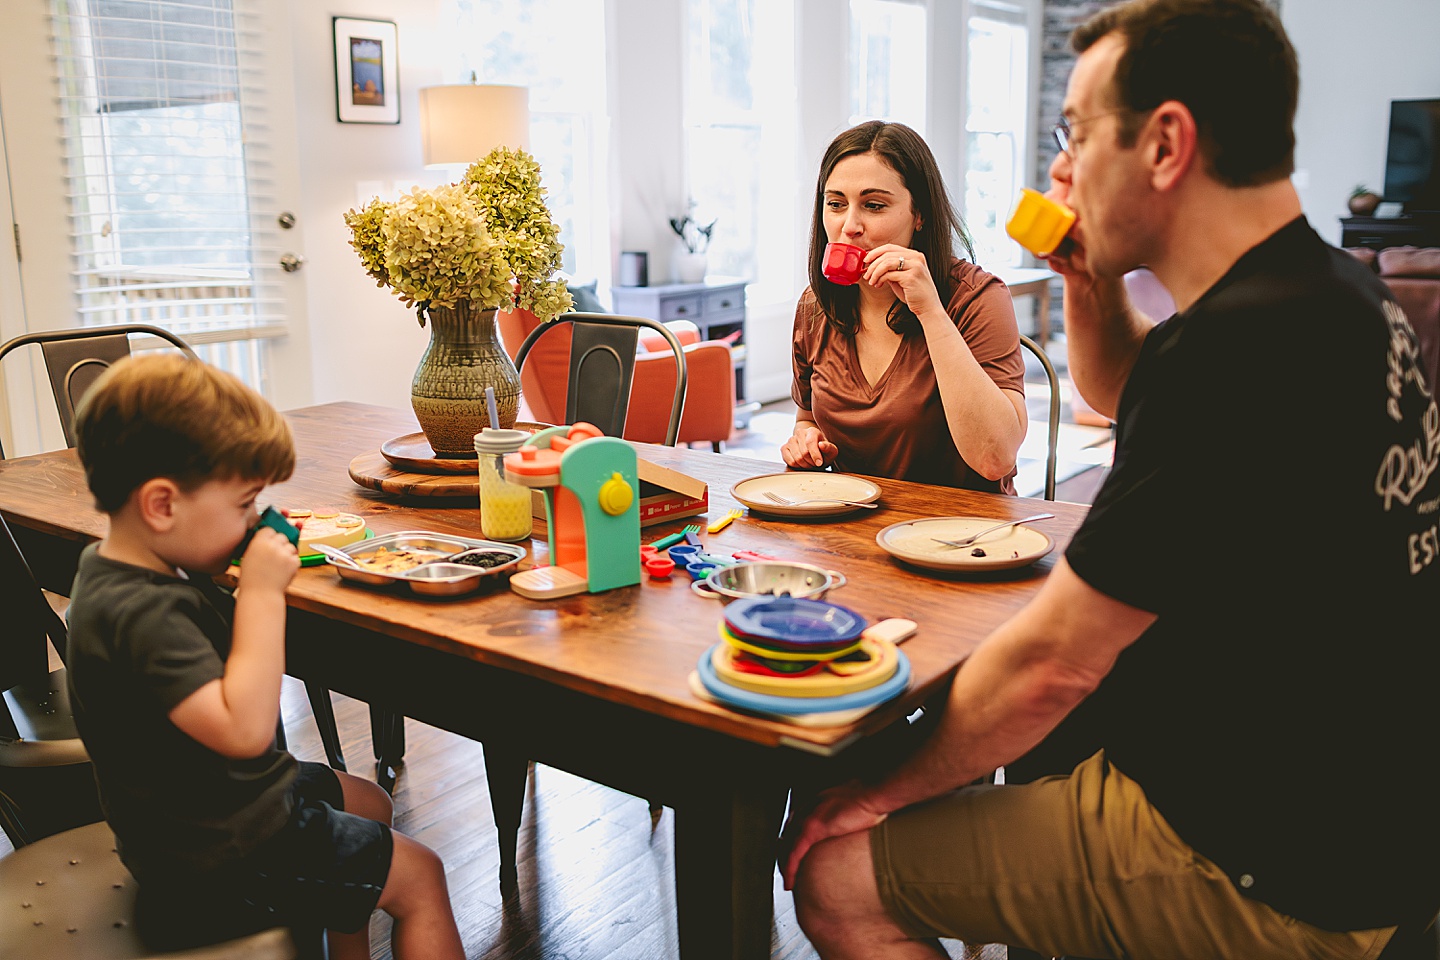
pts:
pixel 395 560
pixel 327 527
pixel 485 558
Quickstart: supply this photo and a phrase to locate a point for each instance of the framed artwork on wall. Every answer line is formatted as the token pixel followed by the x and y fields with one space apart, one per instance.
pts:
pixel 367 73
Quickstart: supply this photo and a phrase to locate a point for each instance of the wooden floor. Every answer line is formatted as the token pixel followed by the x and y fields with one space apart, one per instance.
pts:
pixel 596 870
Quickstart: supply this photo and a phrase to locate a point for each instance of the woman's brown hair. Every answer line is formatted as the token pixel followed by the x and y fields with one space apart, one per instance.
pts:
pixel 905 152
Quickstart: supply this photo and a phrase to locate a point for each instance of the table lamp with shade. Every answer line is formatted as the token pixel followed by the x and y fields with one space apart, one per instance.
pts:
pixel 461 123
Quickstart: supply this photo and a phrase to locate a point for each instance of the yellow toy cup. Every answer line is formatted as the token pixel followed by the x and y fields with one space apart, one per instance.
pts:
pixel 1039 223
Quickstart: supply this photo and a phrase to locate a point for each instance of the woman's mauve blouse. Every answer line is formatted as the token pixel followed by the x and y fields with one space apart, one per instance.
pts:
pixel 897 427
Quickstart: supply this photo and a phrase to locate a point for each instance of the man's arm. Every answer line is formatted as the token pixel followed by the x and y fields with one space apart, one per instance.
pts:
pixel 235 715
pixel 1013 690
pixel 1103 336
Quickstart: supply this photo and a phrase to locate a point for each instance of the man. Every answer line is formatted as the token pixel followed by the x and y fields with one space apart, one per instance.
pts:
pixel 1252 636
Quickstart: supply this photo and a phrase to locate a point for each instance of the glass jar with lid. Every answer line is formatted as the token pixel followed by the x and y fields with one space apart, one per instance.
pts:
pixel 504 506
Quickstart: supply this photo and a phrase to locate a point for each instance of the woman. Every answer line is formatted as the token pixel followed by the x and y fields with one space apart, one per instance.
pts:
pixel 915 371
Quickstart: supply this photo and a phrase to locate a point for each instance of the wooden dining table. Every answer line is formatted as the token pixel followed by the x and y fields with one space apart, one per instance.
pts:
pixel 598 684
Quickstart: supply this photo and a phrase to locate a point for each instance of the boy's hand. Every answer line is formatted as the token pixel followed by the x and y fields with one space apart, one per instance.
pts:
pixel 270 561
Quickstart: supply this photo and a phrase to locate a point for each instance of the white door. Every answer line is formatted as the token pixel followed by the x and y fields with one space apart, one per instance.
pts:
pixel 38 275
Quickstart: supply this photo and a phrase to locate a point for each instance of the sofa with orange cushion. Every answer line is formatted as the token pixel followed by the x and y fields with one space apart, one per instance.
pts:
pixel 709 412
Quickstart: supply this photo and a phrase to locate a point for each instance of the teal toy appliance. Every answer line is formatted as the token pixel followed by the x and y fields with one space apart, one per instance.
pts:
pixel 592 510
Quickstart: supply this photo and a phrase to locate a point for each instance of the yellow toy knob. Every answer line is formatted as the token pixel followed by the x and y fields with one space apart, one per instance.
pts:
pixel 616 495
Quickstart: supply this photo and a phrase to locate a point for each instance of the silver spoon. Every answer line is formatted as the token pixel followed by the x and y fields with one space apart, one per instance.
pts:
pixel 337 556
pixel 999 526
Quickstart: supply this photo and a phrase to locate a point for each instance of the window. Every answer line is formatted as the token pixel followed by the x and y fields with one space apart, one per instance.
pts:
pixel 996 124
pixel 739 129
pixel 887 62
pixel 167 224
pixel 550 47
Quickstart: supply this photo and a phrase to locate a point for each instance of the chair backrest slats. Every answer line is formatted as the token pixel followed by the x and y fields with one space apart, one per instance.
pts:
pixel 29 618
pixel 75 358
pixel 602 368
pixel 602 371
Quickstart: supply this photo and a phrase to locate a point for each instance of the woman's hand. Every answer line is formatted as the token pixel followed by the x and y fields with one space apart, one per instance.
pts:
pixel 907 273
pixel 807 448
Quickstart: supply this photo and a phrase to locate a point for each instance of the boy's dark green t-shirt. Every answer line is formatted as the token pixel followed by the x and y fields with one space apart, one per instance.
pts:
pixel 140 643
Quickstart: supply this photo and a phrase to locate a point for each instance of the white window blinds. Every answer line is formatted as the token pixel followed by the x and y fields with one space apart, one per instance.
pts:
pixel 172 215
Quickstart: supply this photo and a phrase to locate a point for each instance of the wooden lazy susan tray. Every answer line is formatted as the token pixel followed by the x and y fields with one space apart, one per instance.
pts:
pixel 376 472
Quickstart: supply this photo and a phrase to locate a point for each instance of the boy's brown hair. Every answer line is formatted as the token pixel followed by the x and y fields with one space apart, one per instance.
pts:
pixel 165 415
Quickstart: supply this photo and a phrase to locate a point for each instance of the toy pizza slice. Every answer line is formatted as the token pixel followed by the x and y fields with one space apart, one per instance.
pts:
pixel 327 527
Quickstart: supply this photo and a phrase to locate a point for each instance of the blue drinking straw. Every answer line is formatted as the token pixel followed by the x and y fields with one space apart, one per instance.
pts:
pixel 490 402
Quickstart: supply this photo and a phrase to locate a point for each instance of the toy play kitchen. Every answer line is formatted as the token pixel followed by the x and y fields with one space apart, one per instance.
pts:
pixel 591 488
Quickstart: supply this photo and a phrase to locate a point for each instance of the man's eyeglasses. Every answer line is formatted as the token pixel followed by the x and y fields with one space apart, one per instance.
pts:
pixel 1062 129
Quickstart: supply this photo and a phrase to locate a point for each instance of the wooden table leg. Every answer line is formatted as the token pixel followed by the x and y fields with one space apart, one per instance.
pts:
pixel 505 774
pixel 387 742
pixel 324 711
pixel 725 844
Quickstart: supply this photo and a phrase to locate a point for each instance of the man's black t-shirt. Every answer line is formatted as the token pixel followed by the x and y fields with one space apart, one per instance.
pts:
pixel 1274 502
pixel 140 643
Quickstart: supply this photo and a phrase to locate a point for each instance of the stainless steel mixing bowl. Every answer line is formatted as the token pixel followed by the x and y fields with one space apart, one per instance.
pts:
pixel 768 578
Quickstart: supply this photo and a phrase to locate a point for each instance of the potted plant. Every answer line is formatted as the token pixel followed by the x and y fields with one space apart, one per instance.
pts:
pixel 457 253
pixel 1363 201
pixel 691 265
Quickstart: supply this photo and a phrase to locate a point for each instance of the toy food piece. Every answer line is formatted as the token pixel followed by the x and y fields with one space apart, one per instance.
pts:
pixel 327 527
pixel 485 559
pixel 385 560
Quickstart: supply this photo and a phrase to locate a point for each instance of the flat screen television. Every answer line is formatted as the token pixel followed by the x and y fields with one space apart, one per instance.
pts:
pixel 1412 156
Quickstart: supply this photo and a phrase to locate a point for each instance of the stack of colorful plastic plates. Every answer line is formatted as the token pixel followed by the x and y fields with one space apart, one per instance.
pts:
pixel 788 656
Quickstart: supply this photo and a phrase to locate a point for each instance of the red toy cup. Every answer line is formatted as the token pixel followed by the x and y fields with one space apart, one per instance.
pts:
pixel 659 567
pixel 843 263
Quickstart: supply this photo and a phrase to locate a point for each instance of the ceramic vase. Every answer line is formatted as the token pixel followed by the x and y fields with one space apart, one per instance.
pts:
pixel 448 392
pixel 690 267
pixel 1363 204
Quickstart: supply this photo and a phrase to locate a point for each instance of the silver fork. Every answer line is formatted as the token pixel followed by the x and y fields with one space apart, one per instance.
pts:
pixel 795 503
pixel 999 526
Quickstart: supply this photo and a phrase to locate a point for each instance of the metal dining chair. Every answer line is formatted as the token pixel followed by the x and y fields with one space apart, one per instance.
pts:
pixel 69 896
pixel 602 368
pixel 46 783
pixel 1053 437
pixel 75 358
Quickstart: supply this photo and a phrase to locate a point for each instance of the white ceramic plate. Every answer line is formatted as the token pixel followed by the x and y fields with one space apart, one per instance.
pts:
pixel 805 485
pixel 911 541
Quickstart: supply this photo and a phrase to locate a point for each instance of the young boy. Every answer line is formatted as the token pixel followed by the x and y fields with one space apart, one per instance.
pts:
pixel 175 685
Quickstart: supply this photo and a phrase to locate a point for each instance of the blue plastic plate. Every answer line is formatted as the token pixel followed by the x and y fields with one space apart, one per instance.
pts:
pixel 793 621
pixel 769 703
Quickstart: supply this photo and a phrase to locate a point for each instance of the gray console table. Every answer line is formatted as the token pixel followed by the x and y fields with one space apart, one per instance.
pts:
pixel 716 306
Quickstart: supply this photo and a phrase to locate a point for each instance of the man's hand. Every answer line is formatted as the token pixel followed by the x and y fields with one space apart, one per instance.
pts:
pixel 269 562
pixel 839 811
pixel 808 448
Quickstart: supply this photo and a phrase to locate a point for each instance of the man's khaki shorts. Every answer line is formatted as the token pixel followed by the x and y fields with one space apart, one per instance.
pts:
pixel 1079 865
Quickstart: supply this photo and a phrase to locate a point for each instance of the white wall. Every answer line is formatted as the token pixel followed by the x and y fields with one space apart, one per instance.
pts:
pixel 1354 59
pixel 364 342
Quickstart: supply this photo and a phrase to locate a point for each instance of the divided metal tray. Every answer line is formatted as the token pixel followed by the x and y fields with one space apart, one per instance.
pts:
pixel 440 577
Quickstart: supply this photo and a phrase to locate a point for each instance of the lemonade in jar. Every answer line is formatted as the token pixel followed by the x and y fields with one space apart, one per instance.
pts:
pixel 504 506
